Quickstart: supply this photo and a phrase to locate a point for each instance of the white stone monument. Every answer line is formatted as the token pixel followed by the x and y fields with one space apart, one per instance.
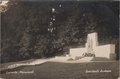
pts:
pixel 92 46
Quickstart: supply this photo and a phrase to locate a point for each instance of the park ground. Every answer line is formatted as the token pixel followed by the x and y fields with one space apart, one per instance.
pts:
pixel 60 70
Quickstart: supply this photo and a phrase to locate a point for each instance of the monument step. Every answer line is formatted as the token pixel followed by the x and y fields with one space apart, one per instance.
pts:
pixel 86 59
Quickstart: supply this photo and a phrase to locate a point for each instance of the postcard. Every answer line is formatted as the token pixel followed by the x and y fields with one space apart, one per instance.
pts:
pixel 59 39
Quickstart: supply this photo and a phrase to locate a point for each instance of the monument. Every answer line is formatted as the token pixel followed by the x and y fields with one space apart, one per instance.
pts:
pixel 92 48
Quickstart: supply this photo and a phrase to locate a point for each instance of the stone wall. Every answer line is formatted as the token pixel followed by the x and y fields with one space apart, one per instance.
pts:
pixel 92 46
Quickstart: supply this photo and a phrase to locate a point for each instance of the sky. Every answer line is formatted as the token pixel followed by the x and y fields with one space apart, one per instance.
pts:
pixel 4 2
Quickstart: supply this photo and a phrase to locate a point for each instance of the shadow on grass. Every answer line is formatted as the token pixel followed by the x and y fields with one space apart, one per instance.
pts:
pixel 100 59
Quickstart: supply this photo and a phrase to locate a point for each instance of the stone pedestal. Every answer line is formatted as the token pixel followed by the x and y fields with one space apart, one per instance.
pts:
pixel 92 46
pixel 112 56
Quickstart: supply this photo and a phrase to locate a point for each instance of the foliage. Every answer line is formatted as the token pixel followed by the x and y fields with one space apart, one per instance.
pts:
pixel 25 26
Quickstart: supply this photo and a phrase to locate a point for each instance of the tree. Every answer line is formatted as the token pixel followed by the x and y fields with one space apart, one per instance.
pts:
pixel 47 29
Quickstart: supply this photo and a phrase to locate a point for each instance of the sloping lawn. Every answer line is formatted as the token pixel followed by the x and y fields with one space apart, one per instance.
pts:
pixel 54 70
pixel 5 65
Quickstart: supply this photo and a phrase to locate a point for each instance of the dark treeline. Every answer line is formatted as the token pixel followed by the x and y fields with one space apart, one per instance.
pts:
pixel 26 27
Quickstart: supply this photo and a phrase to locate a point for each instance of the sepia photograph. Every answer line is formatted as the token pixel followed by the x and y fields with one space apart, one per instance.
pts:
pixel 59 39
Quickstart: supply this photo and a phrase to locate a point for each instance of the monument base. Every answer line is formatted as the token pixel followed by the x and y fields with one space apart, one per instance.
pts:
pixel 112 56
pixel 92 48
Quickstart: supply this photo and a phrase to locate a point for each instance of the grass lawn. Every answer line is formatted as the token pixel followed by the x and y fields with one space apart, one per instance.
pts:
pixel 55 70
